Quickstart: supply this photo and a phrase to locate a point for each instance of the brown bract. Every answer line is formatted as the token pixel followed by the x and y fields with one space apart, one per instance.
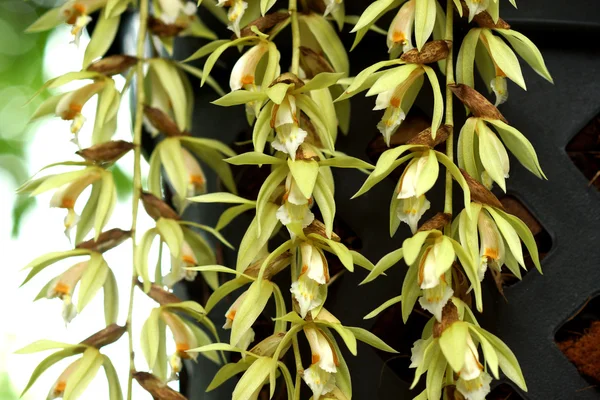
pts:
pixel 162 122
pixel 156 387
pixel 106 153
pixel 476 102
pixel 306 153
pixel 268 346
pixel 106 241
pixel 263 24
pixel 289 79
pixel 484 19
pixel 161 29
pixel 424 137
pixel 317 227
pixel 157 208
pixel 438 221
pixel 106 336
pixel 480 194
pixel 431 52
pixel 160 295
pixel 275 266
pixel 113 65
pixel 449 316
pixel 313 63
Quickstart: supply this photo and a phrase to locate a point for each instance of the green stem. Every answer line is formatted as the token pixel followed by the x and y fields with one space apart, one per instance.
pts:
pixel 449 98
pixel 297 357
pixel 293 10
pixel 137 176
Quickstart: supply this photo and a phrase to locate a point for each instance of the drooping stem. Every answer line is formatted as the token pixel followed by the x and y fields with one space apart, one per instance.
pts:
pixel 137 176
pixel 449 110
pixel 293 10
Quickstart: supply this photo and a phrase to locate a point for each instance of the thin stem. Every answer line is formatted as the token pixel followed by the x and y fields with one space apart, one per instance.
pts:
pixel 137 176
pixel 293 10
pixel 449 109
pixel 297 357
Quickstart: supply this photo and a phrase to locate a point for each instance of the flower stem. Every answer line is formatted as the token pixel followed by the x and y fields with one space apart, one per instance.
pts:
pixel 297 357
pixel 137 176
pixel 293 10
pixel 449 98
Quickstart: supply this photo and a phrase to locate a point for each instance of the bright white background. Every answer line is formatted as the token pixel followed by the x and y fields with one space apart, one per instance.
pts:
pixel 21 320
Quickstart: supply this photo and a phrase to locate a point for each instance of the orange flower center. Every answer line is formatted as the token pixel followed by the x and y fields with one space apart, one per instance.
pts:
pixel 73 111
pixel 72 14
pixel 67 203
pixel 231 315
pixel 189 260
pixel 62 288
pixel 491 253
pixel 315 358
pixel 181 349
pixel 60 387
pixel 247 79
pixel 197 179
pixel 395 102
pixel 398 37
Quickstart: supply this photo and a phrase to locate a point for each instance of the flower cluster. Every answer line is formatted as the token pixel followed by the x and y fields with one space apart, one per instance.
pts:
pixel 295 118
